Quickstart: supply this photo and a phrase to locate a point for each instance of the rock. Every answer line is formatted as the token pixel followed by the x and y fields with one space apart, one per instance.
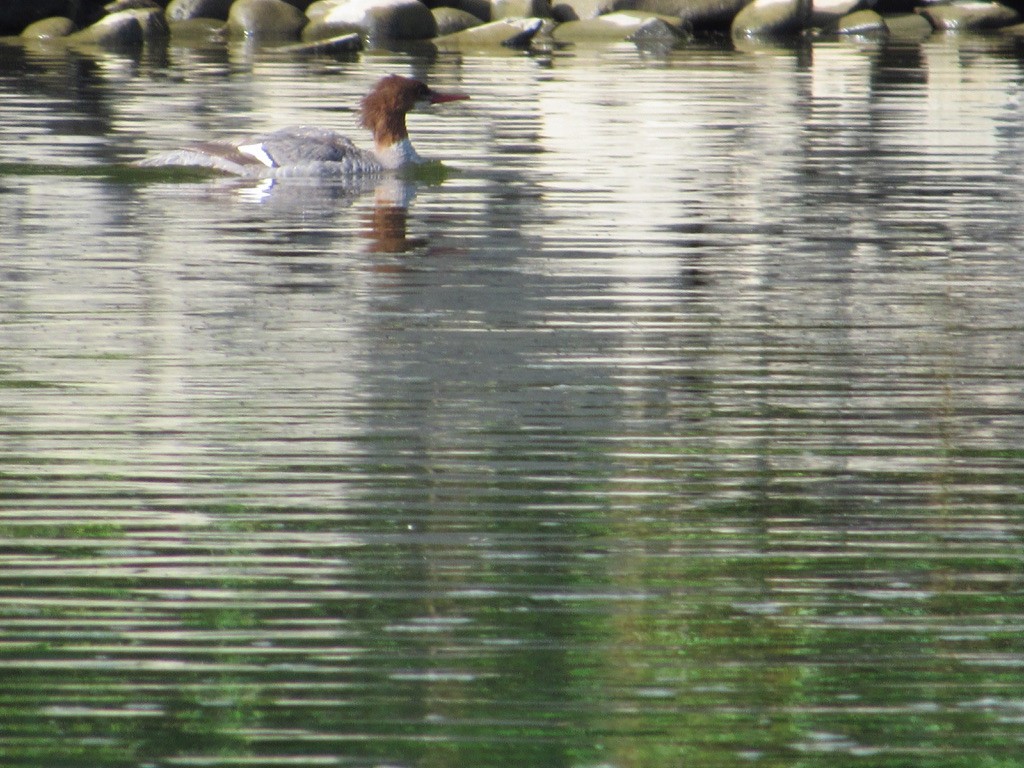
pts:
pixel 862 23
pixel 630 26
pixel 317 10
pixel 377 20
pixel 969 15
pixel 479 8
pixel 350 43
pixel 574 10
pixel 511 33
pixel 198 31
pixel 907 27
pixel 48 29
pixel 265 19
pixel 181 10
pixel 520 9
pixel 130 5
pixel 16 16
pixel 124 29
pixel 452 20
pixel 658 32
pixel 897 7
pixel 322 30
pixel 154 25
pixel 772 18
pixel 826 13
pixel 696 14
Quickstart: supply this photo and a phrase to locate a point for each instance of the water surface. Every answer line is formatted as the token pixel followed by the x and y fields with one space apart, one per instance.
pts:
pixel 676 420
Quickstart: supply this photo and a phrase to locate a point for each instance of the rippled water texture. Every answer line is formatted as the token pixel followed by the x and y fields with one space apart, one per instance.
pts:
pixel 676 421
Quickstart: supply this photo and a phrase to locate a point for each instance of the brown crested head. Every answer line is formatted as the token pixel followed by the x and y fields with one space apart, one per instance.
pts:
pixel 384 108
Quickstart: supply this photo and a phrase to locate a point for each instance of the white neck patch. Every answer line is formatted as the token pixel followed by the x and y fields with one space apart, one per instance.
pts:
pixel 399 154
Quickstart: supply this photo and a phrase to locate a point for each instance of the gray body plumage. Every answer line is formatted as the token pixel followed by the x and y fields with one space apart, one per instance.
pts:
pixel 288 152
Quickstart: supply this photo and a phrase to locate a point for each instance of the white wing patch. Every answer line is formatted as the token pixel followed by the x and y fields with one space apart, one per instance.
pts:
pixel 259 152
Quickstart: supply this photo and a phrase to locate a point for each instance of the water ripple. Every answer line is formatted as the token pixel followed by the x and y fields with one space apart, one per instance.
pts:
pixel 679 422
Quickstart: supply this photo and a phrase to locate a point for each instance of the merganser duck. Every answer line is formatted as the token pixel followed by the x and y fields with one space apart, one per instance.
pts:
pixel 316 152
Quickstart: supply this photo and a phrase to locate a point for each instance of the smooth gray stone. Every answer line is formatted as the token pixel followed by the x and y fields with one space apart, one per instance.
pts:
pixel 510 33
pixel 867 23
pixel 452 20
pixel 771 18
pixel 349 43
pixel 520 9
pixel 48 29
pixel 182 10
pixel 631 26
pixel 696 14
pixel 15 16
pixel 124 29
pixel 969 15
pixel 377 20
pixel 265 19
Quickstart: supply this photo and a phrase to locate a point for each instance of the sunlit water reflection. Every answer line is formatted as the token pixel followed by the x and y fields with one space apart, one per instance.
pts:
pixel 678 421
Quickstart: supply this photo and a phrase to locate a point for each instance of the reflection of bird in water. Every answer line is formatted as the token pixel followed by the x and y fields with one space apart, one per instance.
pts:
pixel 317 152
pixel 386 224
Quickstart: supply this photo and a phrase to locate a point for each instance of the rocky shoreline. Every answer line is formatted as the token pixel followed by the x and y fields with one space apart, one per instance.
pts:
pixel 343 25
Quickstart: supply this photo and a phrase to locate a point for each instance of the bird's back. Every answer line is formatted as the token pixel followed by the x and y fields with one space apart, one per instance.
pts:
pixel 298 151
